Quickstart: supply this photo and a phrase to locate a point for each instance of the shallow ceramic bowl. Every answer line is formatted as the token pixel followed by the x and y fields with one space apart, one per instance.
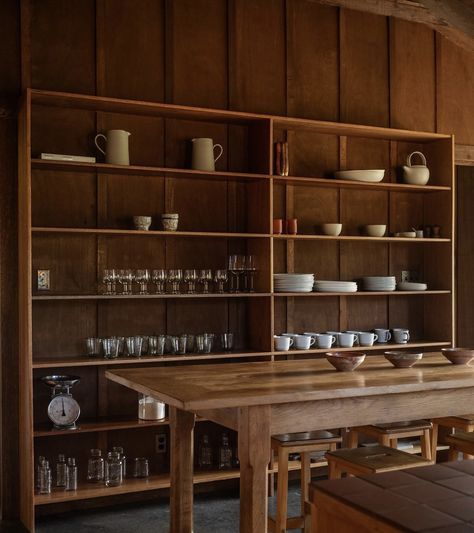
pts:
pixel 332 229
pixel 403 359
pixel 458 356
pixel 372 175
pixel 375 230
pixel 345 361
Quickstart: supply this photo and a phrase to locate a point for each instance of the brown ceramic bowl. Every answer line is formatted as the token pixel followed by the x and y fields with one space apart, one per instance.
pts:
pixel 458 356
pixel 402 359
pixel 345 361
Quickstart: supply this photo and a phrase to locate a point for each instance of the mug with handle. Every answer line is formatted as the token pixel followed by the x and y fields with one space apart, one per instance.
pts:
pixel 116 146
pixel 383 335
pixel 203 154
pixel 282 343
pixel 401 335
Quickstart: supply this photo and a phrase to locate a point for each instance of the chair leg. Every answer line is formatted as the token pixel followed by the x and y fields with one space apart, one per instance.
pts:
pixel 334 472
pixel 385 440
pixel 352 439
pixel 393 443
pixel 425 445
pixel 434 442
pixel 282 492
pixel 453 454
pixel 271 477
pixel 305 481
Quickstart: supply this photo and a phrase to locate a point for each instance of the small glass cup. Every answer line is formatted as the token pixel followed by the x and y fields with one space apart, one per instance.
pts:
pixel 134 345
pixel 227 341
pixel 182 344
pixel 204 343
pixel 173 344
pixel 111 346
pixel 93 346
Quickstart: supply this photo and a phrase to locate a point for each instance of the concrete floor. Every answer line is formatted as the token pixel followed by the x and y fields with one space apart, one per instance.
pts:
pixel 212 514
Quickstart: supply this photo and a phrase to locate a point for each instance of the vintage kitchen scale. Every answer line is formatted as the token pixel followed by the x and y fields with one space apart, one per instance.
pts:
pixel 63 409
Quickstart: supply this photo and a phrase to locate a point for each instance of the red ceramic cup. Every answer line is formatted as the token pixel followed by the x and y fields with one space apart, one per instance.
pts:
pixel 278 226
pixel 292 226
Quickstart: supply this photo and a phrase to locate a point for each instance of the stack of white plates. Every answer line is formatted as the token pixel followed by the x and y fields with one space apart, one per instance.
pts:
pixel 293 282
pixel 335 286
pixel 379 283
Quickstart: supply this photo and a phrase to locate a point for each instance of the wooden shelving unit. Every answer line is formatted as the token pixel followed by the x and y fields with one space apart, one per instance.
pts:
pixel 75 220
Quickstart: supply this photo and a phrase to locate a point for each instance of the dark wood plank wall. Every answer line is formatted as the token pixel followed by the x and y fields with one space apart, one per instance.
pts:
pixel 270 56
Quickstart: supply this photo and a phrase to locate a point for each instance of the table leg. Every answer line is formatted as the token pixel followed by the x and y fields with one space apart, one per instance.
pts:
pixel 254 455
pixel 181 465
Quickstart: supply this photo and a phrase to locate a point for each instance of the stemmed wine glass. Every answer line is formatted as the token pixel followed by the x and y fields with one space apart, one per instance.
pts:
pixel 250 268
pixel 175 277
pixel 205 277
pixel 220 277
pixel 110 277
pixel 190 277
pixel 143 278
pixel 236 267
pixel 125 278
pixel 158 277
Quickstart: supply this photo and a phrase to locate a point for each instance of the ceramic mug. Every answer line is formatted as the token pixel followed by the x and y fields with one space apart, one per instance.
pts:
pixel 282 343
pixel 116 146
pixel 336 335
pixel 325 340
pixel 383 335
pixel 400 335
pixel 203 154
pixel 304 342
pixel 366 338
pixel 346 340
pixel 356 333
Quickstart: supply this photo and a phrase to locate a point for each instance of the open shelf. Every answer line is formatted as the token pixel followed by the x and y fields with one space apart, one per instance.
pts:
pixel 301 237
pixel 152 233
pixel 358 293
pixel 347 184
pixel 89 361
pixel 49 297
pixel 87 491
pixel 138 170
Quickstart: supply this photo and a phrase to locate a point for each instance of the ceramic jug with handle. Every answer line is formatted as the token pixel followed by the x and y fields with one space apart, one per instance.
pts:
pixel 203 154
pixel 416 174
pixel 116 146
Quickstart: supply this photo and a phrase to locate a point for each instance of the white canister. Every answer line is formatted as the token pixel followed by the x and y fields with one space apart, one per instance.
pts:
pixel 203 157
pixel 116 146
pixel 150 409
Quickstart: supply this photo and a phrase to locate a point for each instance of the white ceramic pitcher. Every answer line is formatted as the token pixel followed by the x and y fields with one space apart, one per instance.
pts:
pixel 416 174
pixel 203 154
pixel 116 146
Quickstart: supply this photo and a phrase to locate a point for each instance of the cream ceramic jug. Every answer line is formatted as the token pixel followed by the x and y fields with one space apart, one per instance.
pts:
pixel 116 146
pixel 203 154
pixel 416 174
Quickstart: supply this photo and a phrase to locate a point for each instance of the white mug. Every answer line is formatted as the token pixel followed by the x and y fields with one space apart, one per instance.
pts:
pixel 356 333
pixel 325 340
pixel 366 338
pixel 116 146
pixel 384 335
pixel 346 340
pixel 282 343
pixel 304 342
pixel 336 334
pixel 400 335
pixel 203 154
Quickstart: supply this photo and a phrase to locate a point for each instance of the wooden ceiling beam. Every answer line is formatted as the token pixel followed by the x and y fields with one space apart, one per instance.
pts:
pixel 453 19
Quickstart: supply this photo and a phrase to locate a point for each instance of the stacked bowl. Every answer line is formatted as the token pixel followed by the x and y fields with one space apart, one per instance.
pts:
pixel 379 283
pixel 293 282
pixel 335 286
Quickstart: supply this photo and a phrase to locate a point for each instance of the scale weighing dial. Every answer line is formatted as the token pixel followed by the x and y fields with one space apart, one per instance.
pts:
pixel 63 409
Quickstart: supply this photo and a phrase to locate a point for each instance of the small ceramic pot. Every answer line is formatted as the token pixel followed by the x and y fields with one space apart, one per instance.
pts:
pixel 142 223
pixel 170 221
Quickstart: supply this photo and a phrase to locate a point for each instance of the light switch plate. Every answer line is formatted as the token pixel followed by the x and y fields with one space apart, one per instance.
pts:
pixel 43 280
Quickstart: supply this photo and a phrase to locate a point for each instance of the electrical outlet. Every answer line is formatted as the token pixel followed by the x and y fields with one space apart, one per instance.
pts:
pixel 161 443
pixel 409 275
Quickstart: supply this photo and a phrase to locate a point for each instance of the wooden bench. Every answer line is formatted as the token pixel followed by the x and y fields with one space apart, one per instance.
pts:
pixel 461 422
pixel 460 442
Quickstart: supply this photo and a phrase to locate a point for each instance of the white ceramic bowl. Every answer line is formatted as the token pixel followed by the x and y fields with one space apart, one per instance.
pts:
pixel 375 230
pixel 332 229
pixel 410 234
pixel 373 176
pixel 411 286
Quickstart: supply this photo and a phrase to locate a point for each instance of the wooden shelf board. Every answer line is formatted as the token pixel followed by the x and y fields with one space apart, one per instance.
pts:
pixel 87 491
pixel 358 293
pixel 90 361
pixel 140 170
pixel 376 347
pixel 48 297
pixel 348 184
pixel 151 233
pixel 301 237
pixel 136 107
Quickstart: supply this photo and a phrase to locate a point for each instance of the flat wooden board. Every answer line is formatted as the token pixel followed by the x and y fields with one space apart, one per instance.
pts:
pixel 264 383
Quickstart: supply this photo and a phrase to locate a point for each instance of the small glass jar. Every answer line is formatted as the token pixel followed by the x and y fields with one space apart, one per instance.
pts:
pixel 71 483
pixel 114 472
pixel 119 450
pixel 141 467
pixel 150 409
pixel 205 459
pixel 95 467
pixel 61 471
pixel 44 478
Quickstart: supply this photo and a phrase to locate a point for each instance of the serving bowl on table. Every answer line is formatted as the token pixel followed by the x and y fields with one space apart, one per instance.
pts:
pixel 458 356
pixel 402 359
pixel 345 361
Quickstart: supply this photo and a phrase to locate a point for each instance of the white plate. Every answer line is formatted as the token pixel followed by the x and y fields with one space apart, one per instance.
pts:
pixel 372 176
pixel 335 289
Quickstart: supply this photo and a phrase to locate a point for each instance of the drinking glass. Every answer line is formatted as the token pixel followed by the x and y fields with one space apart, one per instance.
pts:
pixel 190 343
pixel 175 277
pixel 158 277
pixel 125 278
pixel 227 341
pixel 143 278
pixel 152 345
pixel 174 344
pixel 134 345
pixel 190 277
pixel 220 277
pixel 111 346
pixel 205 277
pixel 250 268
pixel 204 342
pixel 160 346
pixel 236 267
pixel 182 344
pixel 93 346
pixel 110 277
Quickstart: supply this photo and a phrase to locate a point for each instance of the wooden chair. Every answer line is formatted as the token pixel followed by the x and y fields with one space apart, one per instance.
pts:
pixel 460 442
pixel 370 460
pixel 304 444
pixel 463 423
pixel 388 434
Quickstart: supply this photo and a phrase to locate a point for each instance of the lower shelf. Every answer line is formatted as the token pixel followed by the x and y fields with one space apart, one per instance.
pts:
pixel 88 491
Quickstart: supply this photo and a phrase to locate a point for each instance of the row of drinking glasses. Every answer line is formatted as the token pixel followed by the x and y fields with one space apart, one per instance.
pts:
pixel 242 269
pixel 161 277
pixel 138 345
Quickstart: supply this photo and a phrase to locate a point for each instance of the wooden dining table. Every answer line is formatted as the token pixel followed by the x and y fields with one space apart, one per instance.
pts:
pixel 260 399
